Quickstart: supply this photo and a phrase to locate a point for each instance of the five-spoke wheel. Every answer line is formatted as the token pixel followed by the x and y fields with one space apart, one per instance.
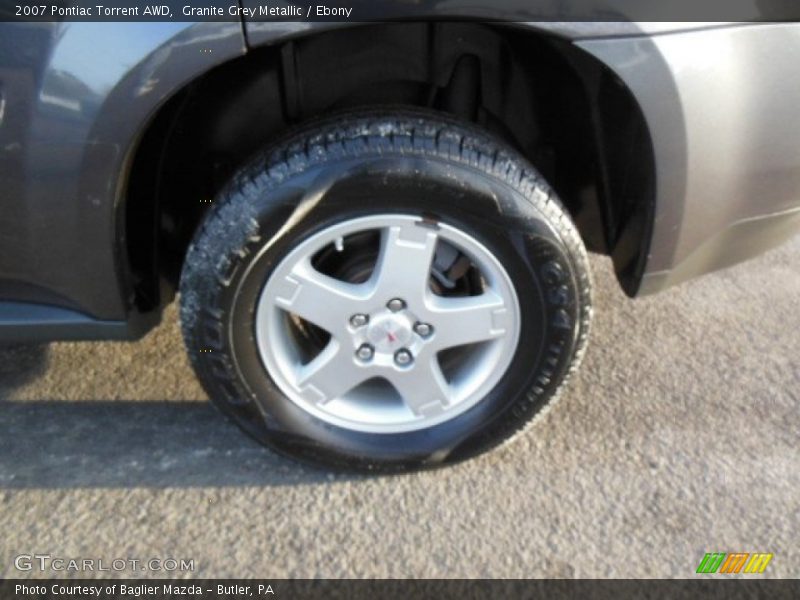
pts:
pixel 384 291
pixel 440 350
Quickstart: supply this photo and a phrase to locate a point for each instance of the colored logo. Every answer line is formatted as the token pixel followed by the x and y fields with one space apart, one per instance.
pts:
pixel 734 562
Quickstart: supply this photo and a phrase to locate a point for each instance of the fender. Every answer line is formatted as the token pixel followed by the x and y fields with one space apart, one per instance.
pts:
pixel 76 102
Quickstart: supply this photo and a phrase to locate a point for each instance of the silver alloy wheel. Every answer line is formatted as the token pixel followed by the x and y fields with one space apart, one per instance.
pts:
pixel 375 372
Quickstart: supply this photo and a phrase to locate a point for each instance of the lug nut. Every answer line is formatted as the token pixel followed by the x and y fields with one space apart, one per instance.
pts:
pixel 395 305
pixel 359 320
pixel 423 329
pixel 403 357
pixel 365 352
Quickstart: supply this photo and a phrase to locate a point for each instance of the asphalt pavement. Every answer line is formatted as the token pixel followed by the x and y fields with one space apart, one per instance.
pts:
pixel 678 437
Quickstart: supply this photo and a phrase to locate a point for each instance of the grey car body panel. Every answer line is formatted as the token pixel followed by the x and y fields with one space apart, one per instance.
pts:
pixel 26 322
pixel 722 109
pixel 266 33
pixel 76 101
pixel 78 96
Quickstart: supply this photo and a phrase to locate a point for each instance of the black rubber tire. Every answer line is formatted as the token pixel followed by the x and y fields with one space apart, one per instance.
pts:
pixel 352 165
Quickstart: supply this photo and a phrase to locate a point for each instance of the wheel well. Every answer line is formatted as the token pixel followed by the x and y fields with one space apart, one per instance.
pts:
pixel 570 116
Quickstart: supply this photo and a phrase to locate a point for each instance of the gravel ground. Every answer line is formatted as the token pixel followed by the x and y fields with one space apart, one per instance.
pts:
pixel 678 437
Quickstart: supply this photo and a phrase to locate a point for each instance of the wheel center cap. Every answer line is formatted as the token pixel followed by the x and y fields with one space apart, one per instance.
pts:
pixel 390 332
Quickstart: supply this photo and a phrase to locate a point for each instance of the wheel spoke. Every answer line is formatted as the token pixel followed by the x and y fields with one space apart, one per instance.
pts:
pixel 404 263
pixel 324 301
pixel 468 320
pixel 332 373
pixel 424 388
